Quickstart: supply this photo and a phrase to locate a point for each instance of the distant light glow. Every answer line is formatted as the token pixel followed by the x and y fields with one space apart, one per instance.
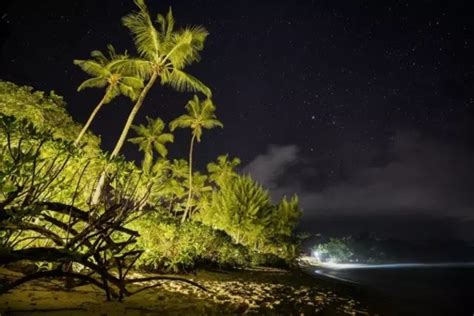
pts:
pixel 333 276
pixel 316 255
pixel 344 266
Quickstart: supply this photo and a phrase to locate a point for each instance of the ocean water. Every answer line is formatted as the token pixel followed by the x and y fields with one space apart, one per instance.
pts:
pixel 445 289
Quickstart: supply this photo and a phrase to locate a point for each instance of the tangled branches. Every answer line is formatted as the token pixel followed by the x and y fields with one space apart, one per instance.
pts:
pixel 41 225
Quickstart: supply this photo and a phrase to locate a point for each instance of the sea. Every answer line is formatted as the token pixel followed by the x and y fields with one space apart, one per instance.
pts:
pixel 409 289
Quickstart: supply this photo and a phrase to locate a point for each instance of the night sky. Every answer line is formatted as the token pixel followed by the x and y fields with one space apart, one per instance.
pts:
pixel 363 108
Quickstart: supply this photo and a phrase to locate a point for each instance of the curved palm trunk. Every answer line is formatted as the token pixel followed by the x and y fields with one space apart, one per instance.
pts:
pixel 91 117
pixel 123 136
pixel 132 115
pixel 188 204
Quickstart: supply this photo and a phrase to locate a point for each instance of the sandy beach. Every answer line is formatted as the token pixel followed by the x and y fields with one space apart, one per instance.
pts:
pixel 259 291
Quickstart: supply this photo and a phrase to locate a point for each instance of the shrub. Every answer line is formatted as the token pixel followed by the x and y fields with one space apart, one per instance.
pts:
pixel 338 250
pixel 173 247
pixel 243 209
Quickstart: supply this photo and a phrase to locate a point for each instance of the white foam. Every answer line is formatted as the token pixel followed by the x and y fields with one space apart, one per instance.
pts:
pixel 345 266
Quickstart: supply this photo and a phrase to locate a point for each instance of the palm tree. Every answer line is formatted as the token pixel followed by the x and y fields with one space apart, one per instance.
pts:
pixel 179 174
pixel 101 68
pixel 151 138
pixel 223 170
pixel 200 115
pixel 164 52
pixel 201 190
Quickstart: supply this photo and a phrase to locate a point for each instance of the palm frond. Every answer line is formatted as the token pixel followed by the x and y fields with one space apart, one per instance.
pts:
pixel 160 149
pixel 100 57
pixel 140 68
pixel 128 91
pixel 146 37
pixel 112 52
pixel 211 123
pixel 184 47
pixel 92 68
pixel 140 129
pixel 166 138
pixel 183 121
pixel 113 92
pixel 155 126
pixel 150 137
pixel 135 140
pixel 169 23
pixel 197 132
pixel 98 82
pixel 133 82
pixel 184 82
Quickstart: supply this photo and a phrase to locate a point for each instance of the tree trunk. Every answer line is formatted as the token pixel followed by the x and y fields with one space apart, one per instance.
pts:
pixel 188 204
pixel 123 136
pixel 132 115
pixel 91 117
pixel 98 188
pixel 69 281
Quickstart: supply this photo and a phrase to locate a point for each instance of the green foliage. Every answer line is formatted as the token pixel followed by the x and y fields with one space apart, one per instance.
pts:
pixel 46 112
pixel 222 171
pixel 200 190
pixel 104 74
pixel 336 250
pixel 200 115
pixel 172 247
pixel 151 138
pixel 243 226
pixel 27 157
pixel 168 190
pixel 243 209
pixel 362 248
pixel 45 131
pixel 234 222
pixel 285 216
pixel 165 51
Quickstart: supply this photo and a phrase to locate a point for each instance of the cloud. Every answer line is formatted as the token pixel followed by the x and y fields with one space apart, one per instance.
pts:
pixel 419 175
pixel 267 168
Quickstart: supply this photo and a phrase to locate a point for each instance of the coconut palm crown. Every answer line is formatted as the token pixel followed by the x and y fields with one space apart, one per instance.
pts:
pixel 164 53
pixel 150 138
pixel 164 50
pixel 222 171
pixel 105 75
pixel 200 115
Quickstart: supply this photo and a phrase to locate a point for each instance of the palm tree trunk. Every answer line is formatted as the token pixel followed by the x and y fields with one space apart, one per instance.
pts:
pixel 123 136
pixel 91 117
pixel 188 204
pixel 132 115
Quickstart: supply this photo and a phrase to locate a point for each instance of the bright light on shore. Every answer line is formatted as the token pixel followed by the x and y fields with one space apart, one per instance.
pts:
pixel 343 266
pixel 316 255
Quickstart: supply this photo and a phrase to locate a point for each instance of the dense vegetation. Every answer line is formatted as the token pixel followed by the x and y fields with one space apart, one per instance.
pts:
pixel 364 248
pixel 80 212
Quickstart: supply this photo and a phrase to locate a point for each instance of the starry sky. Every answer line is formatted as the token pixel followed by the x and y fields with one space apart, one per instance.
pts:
pixel 363 108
